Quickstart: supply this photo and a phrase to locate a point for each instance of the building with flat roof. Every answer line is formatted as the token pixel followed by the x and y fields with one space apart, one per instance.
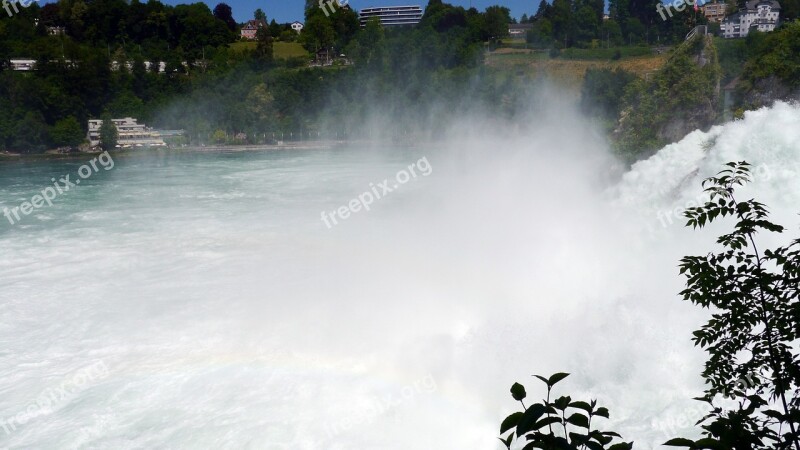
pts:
pixel 392 15
pixel 130 133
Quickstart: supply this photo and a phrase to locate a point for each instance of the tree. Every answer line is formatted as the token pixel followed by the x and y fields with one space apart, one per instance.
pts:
pixel 220 137
pixel 30 134
pixel 558 424
pixel 260 16
pixel 67 133
pixel 108 134
pixel 599 7
pixel 497 20
pixel 634 30
pixel 370 48
pixel 619 10
pixel 753 332
pixel 541 33
pixel 586 24
pixel 275 29
pixel 562 20
pixel 264 48
pixel 318 33
pixel 224 13
pixel 790 10
pixel 261 104
pixel 611 33
pixel 544 10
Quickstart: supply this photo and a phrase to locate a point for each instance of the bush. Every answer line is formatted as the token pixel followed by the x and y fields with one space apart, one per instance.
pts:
pixel 535 423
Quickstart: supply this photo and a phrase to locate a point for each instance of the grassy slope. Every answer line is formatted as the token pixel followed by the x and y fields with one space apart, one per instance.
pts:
pixel 570 72
pixel 283 50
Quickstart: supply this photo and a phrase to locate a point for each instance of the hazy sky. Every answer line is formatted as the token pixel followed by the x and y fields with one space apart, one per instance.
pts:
pixel 291 10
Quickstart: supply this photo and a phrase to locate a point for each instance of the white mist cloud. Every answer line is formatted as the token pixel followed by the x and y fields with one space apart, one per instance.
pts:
pixel 233 318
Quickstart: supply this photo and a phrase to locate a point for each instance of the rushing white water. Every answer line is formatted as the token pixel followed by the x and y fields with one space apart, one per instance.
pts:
pixel 199 301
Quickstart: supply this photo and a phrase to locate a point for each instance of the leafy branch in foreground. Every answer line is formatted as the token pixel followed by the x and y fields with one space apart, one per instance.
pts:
pixel 755 324
pixel 558 424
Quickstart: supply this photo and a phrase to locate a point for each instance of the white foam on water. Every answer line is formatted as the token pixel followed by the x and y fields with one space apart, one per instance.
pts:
pixel 229 316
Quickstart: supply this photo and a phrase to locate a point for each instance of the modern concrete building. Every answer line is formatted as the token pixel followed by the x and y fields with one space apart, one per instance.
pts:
pixel 761 15
pixel 392 15
pixel 130 134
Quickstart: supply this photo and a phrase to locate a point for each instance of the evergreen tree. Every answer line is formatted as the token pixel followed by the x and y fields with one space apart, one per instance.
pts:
pixel 109 135
pixel 264 47
pixel 544 10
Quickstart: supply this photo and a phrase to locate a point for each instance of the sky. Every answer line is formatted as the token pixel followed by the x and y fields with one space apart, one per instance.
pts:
pixel 290 10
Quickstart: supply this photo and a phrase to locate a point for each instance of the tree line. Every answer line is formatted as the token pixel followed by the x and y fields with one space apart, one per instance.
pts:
pixel 208 85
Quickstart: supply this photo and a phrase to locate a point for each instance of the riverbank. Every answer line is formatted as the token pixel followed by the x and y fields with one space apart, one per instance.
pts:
pixel 295 145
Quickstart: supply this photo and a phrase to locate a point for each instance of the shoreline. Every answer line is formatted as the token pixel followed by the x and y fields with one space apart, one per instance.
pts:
pixel 295 145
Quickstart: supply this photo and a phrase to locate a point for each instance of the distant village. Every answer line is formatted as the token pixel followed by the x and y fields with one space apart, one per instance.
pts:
pixel 761 15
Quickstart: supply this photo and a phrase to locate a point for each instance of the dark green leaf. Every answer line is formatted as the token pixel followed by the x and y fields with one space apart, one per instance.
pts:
pixel 518 392
pixel 555 378
pixel 562 403
pixel 528 420
pixel 547 421
pixel 579 420
pixel 510 422
pixel 602 412
pixel 622 446
pixel 581 405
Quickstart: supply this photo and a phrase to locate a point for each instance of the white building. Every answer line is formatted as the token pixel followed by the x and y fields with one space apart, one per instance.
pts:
pixel 519 29
pixel 297 26
pixel 130 134
pixel 392 15
pixel 23 65
pixel 761 15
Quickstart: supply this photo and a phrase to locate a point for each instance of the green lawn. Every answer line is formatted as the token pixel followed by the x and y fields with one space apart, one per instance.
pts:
pixel 283 50
pixel 286 50
pixel 605 53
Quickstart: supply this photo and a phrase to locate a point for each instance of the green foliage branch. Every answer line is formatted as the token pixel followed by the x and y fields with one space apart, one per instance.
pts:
pixel 755 326
pixel 561 424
